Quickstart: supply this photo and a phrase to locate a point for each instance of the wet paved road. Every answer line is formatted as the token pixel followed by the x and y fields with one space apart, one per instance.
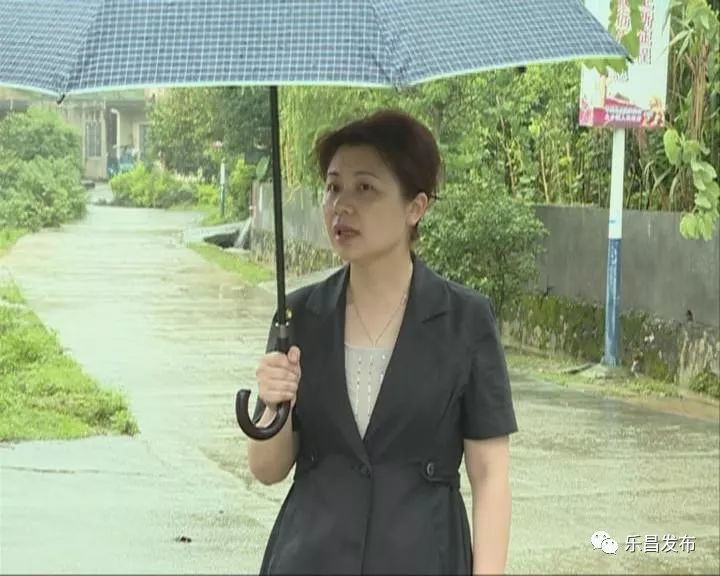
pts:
pixel 146 315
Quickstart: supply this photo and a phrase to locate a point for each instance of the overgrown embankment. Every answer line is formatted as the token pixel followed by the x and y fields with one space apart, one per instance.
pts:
pixel 44 393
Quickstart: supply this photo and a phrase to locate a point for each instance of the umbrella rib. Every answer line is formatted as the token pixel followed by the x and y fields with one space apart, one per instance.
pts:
pixel 80 51
pixel 389 43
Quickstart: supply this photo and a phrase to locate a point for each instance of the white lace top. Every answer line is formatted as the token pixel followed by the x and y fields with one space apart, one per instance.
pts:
pixel 364 371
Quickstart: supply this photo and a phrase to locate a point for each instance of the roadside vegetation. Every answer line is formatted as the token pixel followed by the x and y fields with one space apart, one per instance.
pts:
pixel 44 393
pixel 8 238
pixel 40 172
pixel 249 270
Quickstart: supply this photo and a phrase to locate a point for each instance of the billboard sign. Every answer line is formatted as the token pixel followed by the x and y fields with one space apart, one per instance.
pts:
pixel 635 98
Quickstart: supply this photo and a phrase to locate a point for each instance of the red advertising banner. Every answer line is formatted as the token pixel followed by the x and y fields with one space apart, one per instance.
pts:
pixel 636 97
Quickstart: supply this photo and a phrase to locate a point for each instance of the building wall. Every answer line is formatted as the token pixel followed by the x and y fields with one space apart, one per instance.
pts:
pixel 83 113
pixel 661 272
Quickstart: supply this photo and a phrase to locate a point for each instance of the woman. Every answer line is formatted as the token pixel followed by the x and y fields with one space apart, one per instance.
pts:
pixel 394 374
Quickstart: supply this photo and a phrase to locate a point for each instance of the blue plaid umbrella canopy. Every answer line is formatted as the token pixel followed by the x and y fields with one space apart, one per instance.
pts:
pixel 62 47
pixel 70 46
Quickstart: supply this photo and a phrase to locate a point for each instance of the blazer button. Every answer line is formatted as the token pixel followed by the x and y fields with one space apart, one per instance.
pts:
pixel 430 469
pixel 365 470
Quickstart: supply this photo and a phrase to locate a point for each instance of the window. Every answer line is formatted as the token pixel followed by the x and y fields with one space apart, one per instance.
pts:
pixel 93 139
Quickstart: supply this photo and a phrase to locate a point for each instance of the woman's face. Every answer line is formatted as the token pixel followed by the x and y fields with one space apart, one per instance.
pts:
pixel 364 209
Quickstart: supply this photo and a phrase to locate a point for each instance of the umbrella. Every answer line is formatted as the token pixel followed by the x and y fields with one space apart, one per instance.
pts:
pixel 62 47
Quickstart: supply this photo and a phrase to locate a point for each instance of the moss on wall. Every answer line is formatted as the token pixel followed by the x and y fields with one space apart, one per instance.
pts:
pixel 666 351
pixel 551 324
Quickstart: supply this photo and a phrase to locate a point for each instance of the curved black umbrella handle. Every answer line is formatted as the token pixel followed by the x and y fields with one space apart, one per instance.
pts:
pixel 283 341
pixel 242 402
pixel 249 427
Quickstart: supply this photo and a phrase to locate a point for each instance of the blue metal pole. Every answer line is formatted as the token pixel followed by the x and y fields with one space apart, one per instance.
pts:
pixel 612 298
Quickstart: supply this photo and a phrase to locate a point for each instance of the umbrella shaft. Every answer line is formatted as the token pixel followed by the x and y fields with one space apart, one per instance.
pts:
pixel 277 205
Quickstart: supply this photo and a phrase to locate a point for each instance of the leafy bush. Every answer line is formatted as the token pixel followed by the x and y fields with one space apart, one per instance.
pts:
pixel 207 195
pixel 39 133
pixel 240 184
pixel 484 239
pixel 706 382
pixel 40 193
pixel 151 188
pixel 40 171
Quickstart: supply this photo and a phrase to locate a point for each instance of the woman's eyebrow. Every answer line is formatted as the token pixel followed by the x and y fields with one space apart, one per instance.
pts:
pixel 366 173
pixel 357 173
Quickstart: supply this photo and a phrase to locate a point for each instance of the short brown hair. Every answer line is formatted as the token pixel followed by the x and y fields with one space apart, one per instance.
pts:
pixel 406 145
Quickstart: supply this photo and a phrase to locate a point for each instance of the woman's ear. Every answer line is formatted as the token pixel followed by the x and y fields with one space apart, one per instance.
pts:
pixel 417 208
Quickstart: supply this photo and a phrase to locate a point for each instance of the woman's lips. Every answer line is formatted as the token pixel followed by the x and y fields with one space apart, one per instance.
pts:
pixel 342 232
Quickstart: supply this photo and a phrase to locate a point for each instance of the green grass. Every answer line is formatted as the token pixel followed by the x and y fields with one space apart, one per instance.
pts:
pixel 11 293
pixel 555 369
pixel 250 271
pixel 45 394
pixel 8 237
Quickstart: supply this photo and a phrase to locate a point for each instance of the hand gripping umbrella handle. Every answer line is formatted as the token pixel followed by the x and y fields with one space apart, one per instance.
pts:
pixel 283 410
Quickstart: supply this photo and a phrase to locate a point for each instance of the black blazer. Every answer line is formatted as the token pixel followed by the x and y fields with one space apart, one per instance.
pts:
pixel 389 502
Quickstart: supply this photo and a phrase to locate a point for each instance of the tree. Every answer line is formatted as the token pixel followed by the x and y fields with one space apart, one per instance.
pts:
pixel 481 237
pixel 697 121
pixel 183 129
pixel 187 122
pixel 243 117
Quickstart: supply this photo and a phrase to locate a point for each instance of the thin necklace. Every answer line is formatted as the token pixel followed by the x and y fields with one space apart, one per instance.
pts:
pixel 357 313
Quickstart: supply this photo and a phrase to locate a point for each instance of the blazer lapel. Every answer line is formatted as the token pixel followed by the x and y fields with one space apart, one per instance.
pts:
pixel 328 301
pixel 412 360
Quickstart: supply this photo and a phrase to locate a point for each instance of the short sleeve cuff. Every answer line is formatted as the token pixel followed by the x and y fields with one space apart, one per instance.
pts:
pixel 500 421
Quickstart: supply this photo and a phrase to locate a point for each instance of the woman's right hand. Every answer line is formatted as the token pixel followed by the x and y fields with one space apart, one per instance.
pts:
pixel 278 376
